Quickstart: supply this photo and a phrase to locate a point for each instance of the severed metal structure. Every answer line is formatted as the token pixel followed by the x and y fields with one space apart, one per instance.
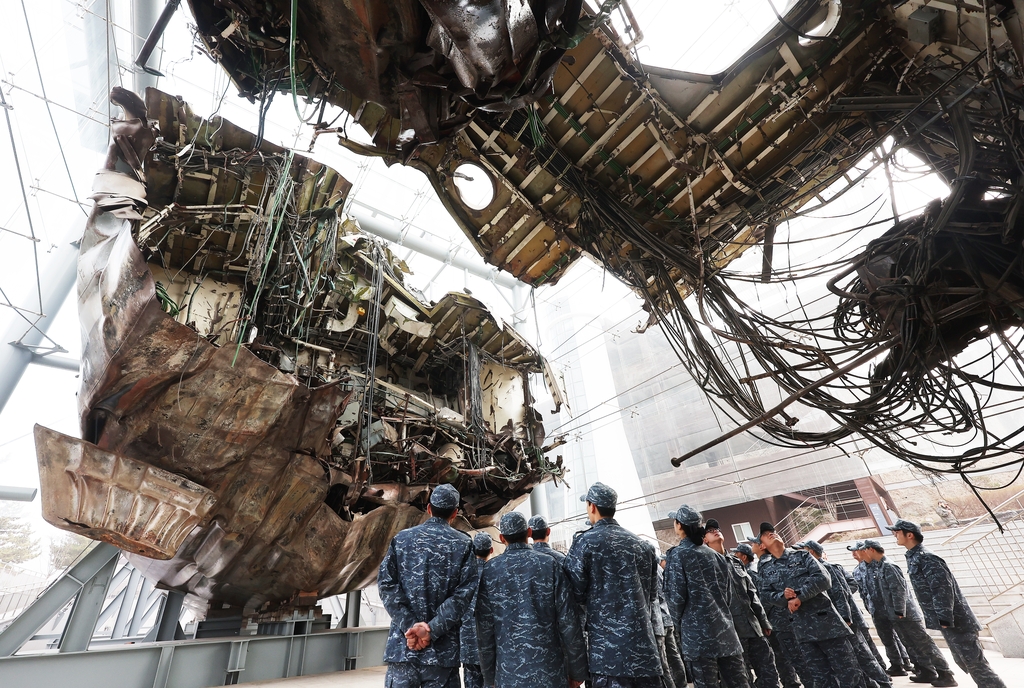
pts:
pixel 264 402
pixel 667 177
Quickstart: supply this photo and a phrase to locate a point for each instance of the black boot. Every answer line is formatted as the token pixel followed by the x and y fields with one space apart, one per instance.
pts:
pixel 924 675
pixel 896 671
pixel 945 680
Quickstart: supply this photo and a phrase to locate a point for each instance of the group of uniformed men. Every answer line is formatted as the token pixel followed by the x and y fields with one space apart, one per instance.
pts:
pixel 614 615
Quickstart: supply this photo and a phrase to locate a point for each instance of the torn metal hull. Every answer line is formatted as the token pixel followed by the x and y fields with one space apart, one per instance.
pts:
pixel 264 404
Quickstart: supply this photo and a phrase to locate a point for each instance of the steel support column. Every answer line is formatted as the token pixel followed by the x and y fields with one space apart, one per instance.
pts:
pixel 17 494
pixel 86 610
pixel 167 626
pixel 53 599
pixel 374 222
pixel 21 342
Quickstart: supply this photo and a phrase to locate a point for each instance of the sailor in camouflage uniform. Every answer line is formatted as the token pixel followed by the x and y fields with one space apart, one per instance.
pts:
pixel 527 627
pixel 426 582
pixel 541 532
pixel 860 626
pixel 469 652
pixel 748 615
pixel 892 595
pixel 899 661
pixel 789 658
pixel 794 580
pixel 677 669
pixel 944 605
pixel 842 599
pixel 698 588
pixel 614 577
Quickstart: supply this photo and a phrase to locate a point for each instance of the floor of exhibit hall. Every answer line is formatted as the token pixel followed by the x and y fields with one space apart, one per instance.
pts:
pixel 1009 669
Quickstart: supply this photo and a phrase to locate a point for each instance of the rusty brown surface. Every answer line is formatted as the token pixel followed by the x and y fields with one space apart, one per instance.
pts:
pixel 226 454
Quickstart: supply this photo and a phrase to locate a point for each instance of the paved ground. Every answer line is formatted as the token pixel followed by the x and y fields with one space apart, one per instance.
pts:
pixel 1011 671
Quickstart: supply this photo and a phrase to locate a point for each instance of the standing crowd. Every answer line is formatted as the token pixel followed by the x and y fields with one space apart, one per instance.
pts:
pixel 614 614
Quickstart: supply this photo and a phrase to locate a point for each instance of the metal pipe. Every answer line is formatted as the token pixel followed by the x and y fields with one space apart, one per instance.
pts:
pixel 145 15
pixel 154 37
pixel 19 344
pixel 378 224
pixel 17 494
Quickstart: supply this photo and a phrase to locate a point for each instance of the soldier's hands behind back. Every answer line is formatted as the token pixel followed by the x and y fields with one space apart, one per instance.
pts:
pixel 418 637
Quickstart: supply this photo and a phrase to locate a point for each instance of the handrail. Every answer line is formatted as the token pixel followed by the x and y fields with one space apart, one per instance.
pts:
pixel 981 520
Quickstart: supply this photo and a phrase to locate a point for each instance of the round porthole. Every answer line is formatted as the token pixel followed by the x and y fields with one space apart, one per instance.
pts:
pixel 833 10
pixel 475 186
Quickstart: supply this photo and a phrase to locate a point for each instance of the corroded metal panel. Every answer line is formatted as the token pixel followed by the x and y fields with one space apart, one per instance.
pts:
pixel 110 497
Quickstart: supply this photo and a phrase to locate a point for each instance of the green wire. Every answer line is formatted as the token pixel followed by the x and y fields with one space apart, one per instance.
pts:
pixel 291 58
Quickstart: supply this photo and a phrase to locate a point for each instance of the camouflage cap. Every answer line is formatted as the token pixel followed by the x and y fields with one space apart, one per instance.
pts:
pixel 873 544
pixel 712 524
pixel 906 527
pixel 766 527
pixel 814 546
pixel 538 522
pixel 686 515
pixel 744 549
pixel 601 495
pixel 856 547
pixel 482 542
pixel 512 523
pixel 444 497
pixel 753 540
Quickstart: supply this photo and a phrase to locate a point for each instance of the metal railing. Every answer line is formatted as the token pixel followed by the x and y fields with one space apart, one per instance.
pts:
pixel 996 571
pixel 824 506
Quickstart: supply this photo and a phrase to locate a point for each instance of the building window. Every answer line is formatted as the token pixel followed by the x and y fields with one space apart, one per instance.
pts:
pixel 741 531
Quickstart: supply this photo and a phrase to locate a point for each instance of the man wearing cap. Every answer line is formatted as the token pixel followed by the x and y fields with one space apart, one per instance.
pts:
pixel 842 599
pixel 859 625
pixel 426 582
pixel 541 532
pixel 748 615
pixel 794 580
pixel 899 661
pixel 469 651
pixel 698 587
pixel 789 657
pixel 527 627
pixel 613 575
pixel 944 605
pixel 892 596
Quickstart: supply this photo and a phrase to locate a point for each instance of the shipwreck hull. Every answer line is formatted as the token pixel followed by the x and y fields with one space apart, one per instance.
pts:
pixel 230 459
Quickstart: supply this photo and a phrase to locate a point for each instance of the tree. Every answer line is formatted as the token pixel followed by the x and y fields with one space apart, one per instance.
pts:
pixel 64 551
pixel 16 541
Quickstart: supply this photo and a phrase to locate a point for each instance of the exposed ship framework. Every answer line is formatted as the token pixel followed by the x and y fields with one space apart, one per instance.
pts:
pixel 667 177
pixel 265 402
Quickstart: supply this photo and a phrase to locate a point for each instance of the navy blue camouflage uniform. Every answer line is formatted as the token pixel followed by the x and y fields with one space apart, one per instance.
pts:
pixel 429 574
pixel 469 651
pixel 894 648
pixel 842 599
pixel 698 587
pixel 892 597
pixel 545 548
pixel 613 574
pixel 789 656
pixel 946 610
pixel 751 622
pixel 673 655
pixel 528 630
pixel 824 636
pixel 860 626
